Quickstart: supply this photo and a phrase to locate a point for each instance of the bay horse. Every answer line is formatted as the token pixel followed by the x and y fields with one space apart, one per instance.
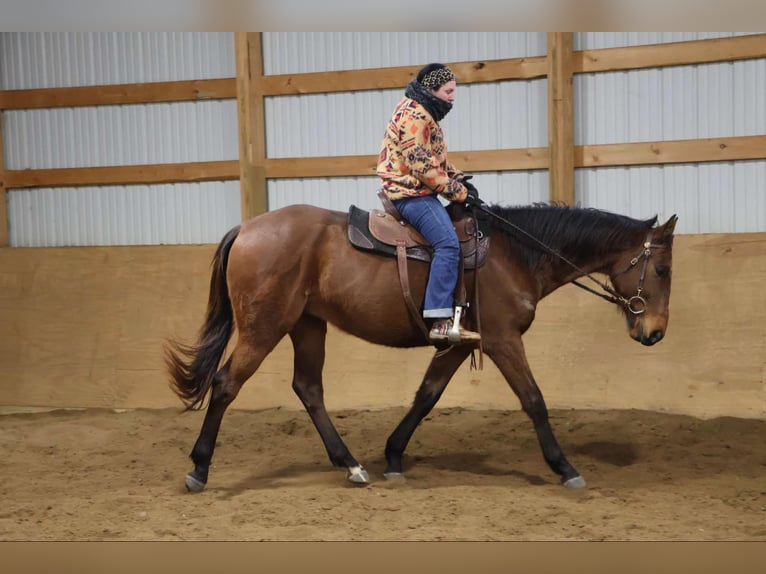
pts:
pixel 293 270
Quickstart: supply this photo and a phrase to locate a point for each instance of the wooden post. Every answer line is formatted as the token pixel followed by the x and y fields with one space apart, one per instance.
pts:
pixel 560 118
pixel 250 117
pixel 3 194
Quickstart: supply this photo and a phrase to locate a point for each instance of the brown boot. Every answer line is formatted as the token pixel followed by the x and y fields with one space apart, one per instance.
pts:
pixel 442 332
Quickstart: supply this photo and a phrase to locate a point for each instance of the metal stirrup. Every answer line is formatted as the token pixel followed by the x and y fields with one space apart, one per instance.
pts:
pixel 453 335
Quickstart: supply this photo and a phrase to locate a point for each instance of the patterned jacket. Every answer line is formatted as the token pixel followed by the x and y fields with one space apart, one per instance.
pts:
pixel 413 156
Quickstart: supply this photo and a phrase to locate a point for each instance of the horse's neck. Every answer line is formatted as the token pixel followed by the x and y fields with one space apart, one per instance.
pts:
pixel 570 243
pixel 569 267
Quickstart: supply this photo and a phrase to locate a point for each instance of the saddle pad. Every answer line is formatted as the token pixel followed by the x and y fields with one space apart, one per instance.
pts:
pixel 360 237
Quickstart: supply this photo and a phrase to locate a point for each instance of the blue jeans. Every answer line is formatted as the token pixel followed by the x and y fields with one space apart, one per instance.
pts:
pixel 430 218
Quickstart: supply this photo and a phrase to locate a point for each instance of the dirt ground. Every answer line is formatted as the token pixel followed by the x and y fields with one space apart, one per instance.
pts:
pixel 89 475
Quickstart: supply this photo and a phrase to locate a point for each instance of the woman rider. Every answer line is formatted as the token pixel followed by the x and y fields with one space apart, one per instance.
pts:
pixel 414 172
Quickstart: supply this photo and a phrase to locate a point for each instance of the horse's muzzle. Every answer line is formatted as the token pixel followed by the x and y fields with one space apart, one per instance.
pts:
pixel 653 337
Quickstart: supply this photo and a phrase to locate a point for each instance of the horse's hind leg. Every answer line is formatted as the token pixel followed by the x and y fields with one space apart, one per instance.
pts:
pixel 439 373
pixel 308 337
pixel 244 361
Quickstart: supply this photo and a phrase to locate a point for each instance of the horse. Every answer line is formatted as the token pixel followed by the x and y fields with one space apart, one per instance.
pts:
pixel 292 271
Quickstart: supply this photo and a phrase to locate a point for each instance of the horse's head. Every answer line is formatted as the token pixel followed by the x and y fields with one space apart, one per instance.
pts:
pixel 642 278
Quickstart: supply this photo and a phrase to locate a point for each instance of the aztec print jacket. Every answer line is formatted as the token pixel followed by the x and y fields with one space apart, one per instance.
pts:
pixel 413 156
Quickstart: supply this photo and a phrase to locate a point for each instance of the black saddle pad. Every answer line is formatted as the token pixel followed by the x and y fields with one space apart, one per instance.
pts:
pixel 360 237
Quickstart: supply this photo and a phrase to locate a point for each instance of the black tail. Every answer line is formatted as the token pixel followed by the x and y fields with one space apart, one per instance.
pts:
pixel 193 367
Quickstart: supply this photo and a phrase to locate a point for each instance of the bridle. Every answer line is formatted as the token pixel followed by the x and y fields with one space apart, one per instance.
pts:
pixel 635 304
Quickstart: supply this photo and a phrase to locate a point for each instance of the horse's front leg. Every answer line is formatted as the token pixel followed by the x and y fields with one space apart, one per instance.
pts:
pixel 440 371
pixel 511 359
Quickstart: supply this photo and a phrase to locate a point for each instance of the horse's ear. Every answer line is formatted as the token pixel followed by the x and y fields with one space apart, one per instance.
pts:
pixel 666 229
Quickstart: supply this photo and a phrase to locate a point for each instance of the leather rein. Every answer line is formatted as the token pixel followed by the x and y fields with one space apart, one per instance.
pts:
pixel 635 304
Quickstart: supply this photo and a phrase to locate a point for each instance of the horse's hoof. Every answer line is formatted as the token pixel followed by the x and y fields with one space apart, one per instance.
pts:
pixel 193 484
pixel 393 476
pixel 575 482
pixel 358 475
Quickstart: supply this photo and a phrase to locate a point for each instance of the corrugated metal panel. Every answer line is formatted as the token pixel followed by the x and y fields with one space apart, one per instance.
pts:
pixel 675 103
pixel 508 188
pixel 347 123
pixel 486 116
pixel 124 215
pixel 300 52
pixel 718 197
pixel 121 135
pixel 598 40
pixel 60 59
pixel 503 115
pixel 684 102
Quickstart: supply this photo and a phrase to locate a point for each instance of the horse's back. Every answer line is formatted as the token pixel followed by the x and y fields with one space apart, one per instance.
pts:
pixel 288 239
pixel 291 215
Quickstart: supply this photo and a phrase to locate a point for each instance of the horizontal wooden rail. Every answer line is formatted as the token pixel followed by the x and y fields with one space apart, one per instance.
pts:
pixel 675 151
pixel 397 77
pixel 119 94
pixel 361 165
pixel 603 155
pixel 123 175
pixel 586 61
pixel 671 54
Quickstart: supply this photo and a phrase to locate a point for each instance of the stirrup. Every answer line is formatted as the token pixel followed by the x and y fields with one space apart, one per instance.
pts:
pixel 453 335
pixel 450 331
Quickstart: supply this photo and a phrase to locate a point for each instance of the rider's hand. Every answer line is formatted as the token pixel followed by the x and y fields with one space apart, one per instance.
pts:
pixel 472 199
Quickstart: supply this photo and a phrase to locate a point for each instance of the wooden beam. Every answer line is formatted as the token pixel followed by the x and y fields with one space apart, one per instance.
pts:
pixel 398 77
pixel 146 93
pixel 671 54
pixel 364 165
pixel 3 194
pixel 519 159
pixel 251 122
pixel 123 175
pixel 273 85
pixel 676 151
pixel 560 118
pixel 641 153
pixel 586 61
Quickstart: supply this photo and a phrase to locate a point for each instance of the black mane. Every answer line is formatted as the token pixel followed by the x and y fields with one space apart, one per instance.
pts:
pixel 570 231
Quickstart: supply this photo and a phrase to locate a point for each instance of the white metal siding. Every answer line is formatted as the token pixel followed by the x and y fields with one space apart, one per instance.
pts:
pixel 717 197
pixel 62 59
pixel 300 52
pixel 509 188
pixel 674 103
pixel 707 100
pixel 598 40
pixel 683 102
pixel 119 135
pixel 123 215
pixel 486 116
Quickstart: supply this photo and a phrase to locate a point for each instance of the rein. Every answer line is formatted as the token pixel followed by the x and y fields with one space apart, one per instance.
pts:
pixel 635 304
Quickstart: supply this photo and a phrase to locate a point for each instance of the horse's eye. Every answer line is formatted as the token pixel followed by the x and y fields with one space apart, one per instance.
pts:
pixel 662 271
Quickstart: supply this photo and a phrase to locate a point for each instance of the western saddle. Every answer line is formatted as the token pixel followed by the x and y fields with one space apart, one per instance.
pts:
pixel 385 232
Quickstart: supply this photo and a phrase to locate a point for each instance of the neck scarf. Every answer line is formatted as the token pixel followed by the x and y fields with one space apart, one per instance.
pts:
pixel 437 107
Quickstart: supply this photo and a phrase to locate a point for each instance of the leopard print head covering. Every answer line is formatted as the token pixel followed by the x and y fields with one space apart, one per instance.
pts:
pixel 437 77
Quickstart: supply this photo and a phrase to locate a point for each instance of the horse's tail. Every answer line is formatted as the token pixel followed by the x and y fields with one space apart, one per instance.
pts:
pixel 193 367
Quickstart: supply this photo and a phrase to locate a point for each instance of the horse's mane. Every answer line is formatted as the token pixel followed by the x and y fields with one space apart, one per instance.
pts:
pixel 567 230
